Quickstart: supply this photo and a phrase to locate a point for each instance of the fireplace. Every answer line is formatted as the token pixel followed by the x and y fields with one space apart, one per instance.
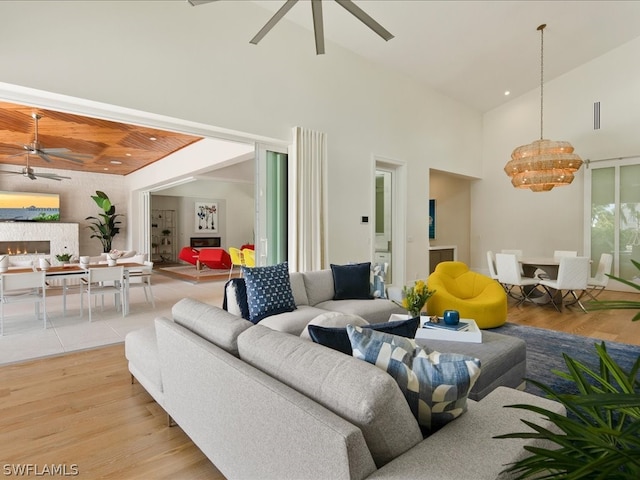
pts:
pixel 25 247
pixel 26 236
pixel 199 242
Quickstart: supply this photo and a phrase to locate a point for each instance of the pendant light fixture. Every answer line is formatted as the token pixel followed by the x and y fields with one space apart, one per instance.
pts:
pixel 543 164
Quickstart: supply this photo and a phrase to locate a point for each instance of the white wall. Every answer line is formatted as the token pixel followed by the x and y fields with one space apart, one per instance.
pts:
pixel 538 223
pixel 196 64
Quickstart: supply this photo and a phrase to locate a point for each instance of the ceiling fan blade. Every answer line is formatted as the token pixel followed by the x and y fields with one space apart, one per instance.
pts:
pixel 361 15
pixel 52 176
pixel 46 155
pixel 195 3
pixel 54 150
pixel 8 172
pixel 318 27
pixel 275 19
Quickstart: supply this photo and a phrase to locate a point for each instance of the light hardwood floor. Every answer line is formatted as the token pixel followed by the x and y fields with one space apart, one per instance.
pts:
pixel 81 408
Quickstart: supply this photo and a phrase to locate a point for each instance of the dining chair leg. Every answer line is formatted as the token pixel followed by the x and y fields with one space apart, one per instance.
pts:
pixel 552 295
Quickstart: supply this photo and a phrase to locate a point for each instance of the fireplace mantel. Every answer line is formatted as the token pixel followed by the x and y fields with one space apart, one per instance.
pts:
pixel 64 237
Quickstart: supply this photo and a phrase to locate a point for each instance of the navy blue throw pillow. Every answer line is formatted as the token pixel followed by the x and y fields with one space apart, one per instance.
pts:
pixel 268 291
pixel 351 282
pixel 338 339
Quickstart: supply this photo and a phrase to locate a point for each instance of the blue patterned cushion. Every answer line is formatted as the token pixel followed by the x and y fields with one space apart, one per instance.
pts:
pixel 435 384
pixel 378 276
pixel 268 291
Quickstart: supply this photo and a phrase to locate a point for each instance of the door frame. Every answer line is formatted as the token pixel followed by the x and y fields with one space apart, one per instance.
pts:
pixel 398 170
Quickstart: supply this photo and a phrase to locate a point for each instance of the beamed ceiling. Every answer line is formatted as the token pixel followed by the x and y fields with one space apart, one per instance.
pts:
pixel 114 148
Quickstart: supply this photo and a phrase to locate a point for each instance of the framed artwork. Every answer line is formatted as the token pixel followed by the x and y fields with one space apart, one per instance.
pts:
pixel 432 218
pixel 206 215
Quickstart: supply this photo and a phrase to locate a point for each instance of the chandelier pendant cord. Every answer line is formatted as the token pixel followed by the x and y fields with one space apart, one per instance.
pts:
pixel 541 28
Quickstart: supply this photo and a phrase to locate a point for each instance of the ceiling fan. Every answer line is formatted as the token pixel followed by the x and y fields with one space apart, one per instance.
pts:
pixel 318 28
pixel 28 172
pixel 36 148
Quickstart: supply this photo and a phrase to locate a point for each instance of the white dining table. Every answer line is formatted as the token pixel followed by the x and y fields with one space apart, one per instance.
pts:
pixel 75 270
pixel 549 265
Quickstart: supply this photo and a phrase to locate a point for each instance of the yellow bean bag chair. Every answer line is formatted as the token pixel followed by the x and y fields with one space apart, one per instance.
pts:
pixel 474 295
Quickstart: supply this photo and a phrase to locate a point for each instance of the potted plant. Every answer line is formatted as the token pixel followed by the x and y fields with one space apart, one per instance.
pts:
pixel 106 227
pixel 600 436
pixel 64 258
pixel 165 240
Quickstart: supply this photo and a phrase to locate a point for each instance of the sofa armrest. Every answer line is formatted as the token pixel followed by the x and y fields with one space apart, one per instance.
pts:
pixel 465 448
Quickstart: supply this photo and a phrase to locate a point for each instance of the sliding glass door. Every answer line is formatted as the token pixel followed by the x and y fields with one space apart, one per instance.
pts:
pixel 272 216
pixel 613 190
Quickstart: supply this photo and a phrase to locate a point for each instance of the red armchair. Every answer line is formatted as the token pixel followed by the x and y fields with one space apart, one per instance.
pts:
pixel 215 258
pixel 189 255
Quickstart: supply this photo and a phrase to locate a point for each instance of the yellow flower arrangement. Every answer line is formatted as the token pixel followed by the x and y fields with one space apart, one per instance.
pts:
pixel 414 298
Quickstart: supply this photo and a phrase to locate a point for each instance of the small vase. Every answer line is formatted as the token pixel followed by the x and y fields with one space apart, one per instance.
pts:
pixel 112 262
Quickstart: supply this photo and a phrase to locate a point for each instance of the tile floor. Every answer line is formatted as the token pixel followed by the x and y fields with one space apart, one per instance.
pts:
pixel 25 338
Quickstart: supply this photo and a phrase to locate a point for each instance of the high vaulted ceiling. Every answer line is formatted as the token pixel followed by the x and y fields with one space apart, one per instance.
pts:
pixel 472 51
pixel 114 148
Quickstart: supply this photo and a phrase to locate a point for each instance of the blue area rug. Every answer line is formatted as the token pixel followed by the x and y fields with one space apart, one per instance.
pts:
pixel 545 349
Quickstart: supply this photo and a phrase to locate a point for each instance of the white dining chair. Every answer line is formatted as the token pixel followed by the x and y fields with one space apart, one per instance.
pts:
pixel 573 275
pixel 27 287
pixel 596 284
pixel 103 281
pixel 141 278
pixel 509 276
pixel 491 262
pixel 517 253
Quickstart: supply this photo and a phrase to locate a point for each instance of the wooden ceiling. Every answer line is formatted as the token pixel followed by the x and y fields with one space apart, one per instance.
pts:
pixel 114 148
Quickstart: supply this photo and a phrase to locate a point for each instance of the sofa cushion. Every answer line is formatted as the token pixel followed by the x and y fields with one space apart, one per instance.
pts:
pixel 268 291
pixel 435 384
pixel 351 282
pixel 377 310
pixel 292 322
pixel 378 277
pixel 336 320
pixel 298 289
pixel 211 323
pixel 319 286
pixel 354 390
pixel 338 339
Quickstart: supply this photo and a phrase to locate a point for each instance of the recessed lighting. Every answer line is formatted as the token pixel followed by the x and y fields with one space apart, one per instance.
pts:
pixel 105 168
pixel 507 93
pixel 153 139
pixel 115 162
pixel 128 154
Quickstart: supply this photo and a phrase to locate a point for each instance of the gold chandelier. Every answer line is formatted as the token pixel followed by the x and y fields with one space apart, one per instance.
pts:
pixel 542 164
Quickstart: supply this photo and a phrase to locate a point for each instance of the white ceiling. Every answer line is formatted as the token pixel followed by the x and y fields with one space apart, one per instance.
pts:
pixel 473 51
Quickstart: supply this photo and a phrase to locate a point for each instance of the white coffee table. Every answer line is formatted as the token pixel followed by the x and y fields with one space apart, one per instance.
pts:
pixel 472 335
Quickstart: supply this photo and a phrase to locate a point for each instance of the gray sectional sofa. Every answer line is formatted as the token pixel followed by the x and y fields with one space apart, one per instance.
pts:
pixel 313 294
pixel 264 404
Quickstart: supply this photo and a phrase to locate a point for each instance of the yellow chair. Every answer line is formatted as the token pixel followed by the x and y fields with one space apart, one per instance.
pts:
pixel 237 259
pixel 474 295
pixel 249 257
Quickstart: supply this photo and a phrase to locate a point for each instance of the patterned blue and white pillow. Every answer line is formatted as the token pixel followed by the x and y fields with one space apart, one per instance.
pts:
pixel 436 385
pixel 268 291
pixel 378 277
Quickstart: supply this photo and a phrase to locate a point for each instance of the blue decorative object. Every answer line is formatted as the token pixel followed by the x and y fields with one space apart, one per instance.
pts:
pixel 268 291
pixel 451 317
